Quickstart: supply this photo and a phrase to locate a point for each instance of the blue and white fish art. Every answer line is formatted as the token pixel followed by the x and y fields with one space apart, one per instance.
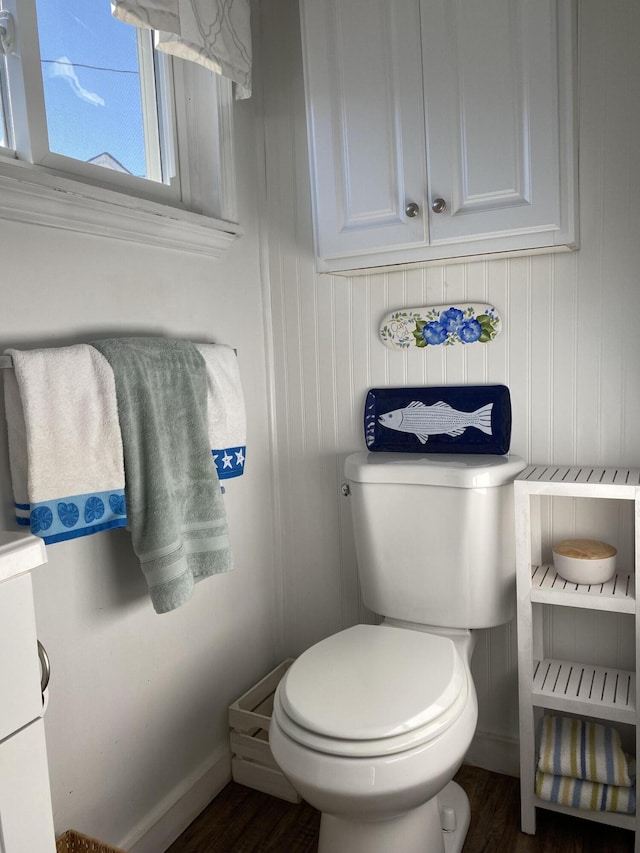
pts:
pixel 439 419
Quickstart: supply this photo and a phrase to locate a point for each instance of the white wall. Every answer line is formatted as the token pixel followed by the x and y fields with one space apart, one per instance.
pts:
pixel 570 350
pixel 138 701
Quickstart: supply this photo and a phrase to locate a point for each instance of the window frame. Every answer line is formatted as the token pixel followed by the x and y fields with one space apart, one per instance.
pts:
pixel 201 218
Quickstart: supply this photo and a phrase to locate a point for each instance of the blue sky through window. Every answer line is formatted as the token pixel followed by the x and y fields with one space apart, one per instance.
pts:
pixel 91 82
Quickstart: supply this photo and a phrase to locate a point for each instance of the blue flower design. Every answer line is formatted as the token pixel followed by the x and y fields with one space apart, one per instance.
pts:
pixel 469 331
pixel 434 333
pixel 68 514
pixel 451 319
pixel 41 519
pixel 93 509
pixel 117 504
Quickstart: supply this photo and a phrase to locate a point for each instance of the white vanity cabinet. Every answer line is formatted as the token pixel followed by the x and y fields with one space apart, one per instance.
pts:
pixel 439 128
pixel 26 823
pixel 568 686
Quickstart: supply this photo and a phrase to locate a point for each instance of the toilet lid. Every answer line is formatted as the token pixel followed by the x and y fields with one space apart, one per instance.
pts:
pixel 371 684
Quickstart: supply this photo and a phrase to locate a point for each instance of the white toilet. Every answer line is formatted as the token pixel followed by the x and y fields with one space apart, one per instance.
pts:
pixel 371 724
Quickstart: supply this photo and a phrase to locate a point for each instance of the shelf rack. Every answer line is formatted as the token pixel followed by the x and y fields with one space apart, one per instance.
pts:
pixel 559 685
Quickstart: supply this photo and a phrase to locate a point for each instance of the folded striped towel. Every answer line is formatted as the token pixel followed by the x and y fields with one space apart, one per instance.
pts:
pixel 65 445
pixel 581 794
pixel 582 750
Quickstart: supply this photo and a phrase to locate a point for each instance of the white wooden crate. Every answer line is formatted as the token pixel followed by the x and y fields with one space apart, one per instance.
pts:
pixel 252 763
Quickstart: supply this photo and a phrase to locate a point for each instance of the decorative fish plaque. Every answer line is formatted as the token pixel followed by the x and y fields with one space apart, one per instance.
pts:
pixel 449 419
pixel 440 325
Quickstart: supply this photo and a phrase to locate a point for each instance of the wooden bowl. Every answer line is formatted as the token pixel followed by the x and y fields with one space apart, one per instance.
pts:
pixel 584 561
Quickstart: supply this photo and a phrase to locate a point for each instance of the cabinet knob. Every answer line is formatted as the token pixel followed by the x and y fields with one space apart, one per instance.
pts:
pixel 412 209
pixel 438 205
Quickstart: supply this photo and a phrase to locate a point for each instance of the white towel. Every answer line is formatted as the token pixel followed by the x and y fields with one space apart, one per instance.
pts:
pixel 583 750
pixel 225 409
pixel 65 446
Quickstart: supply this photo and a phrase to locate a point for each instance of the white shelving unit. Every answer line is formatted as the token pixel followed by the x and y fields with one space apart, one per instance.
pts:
pixel 562 685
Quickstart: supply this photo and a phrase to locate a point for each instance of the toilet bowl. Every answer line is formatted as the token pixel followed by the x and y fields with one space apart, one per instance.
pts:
pixel 369 726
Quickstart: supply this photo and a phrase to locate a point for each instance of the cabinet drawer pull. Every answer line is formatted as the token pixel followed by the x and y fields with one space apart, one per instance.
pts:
pixel 45 668
pixel 438 205
pixel 412 209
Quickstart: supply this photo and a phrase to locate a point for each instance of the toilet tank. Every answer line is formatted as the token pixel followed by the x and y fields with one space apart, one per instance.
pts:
pixel 434 536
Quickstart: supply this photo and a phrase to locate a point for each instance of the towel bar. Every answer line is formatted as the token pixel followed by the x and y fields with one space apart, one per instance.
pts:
pixel 7 362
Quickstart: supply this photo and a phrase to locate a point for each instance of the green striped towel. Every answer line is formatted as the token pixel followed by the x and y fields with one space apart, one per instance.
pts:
pixel 580 794
pixel 582 750
pixel 175 508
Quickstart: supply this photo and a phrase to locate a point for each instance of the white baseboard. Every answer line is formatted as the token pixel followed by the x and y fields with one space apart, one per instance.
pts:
pixel 172 815
pixel 494 752
pixel 159 829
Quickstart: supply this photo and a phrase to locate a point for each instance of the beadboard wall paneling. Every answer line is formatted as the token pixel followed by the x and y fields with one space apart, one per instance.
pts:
pixel 569 351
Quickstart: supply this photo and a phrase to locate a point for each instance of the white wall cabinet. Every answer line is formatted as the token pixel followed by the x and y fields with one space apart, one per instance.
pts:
pixel 439 128
pixel 560 685
pixel 26 822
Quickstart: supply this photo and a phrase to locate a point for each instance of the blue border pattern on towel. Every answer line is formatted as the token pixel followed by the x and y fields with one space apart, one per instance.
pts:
pixel 71 517
pixel 229 461
pixel 81 515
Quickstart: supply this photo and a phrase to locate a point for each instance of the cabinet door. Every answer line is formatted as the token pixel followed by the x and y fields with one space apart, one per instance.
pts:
pixel 469 103
pixel 365 111
pixel 20 697
pixel 491 88
pixel 26 822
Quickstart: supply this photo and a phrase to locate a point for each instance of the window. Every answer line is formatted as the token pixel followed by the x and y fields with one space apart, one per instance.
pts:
pixel 101 97
pixel 84 98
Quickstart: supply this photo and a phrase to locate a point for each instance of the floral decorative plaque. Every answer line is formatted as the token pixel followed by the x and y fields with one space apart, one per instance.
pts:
pixel 440 325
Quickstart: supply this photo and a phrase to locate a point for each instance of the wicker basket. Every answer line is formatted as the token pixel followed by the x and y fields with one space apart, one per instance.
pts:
pixel 75 842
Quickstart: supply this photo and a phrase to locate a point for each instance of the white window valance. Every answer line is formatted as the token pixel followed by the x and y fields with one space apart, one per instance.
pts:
pixel 213 33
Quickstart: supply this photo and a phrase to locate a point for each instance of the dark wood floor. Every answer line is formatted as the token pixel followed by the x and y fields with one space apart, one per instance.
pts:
pixel 241 820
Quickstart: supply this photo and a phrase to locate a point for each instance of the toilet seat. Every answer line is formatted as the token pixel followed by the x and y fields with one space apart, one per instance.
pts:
pixel 372 690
